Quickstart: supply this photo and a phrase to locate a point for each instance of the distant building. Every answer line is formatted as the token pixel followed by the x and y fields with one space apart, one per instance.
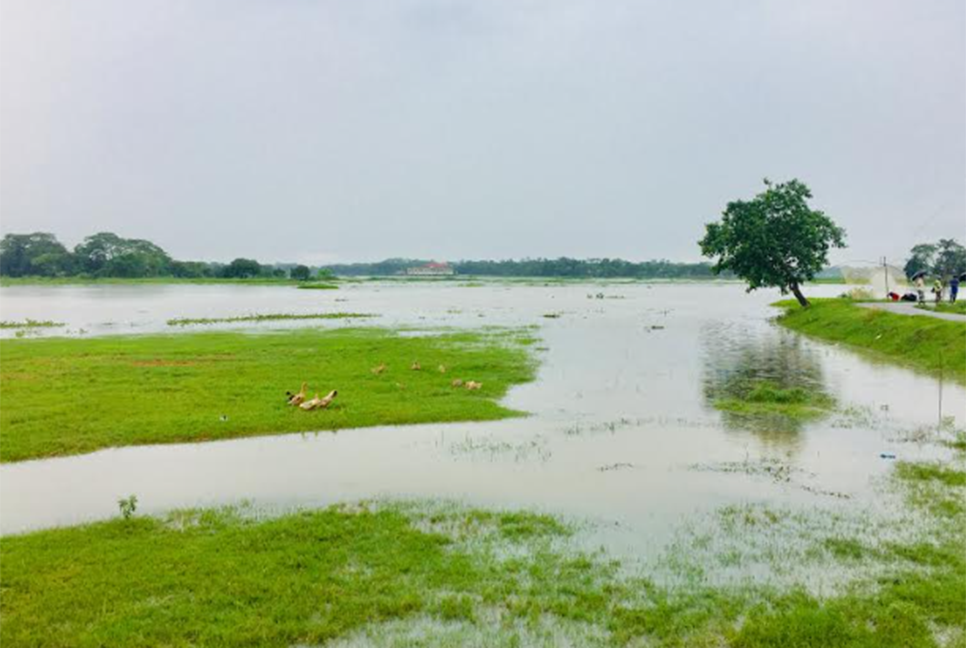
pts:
pixel 431 270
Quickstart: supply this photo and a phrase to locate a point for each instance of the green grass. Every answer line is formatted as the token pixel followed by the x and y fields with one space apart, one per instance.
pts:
pixel 317 286
pixel 219 578
pixel 265 317
pixel 958 308
pixel 929 344
pixel 766 397
pixel 29 323
pixel 64 396
pixel 375 574
pixel 384 574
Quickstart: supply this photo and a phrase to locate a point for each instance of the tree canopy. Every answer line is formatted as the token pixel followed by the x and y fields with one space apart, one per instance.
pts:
pixel 944 259
pixel 106 254
pixel 39 253
pixel 775 239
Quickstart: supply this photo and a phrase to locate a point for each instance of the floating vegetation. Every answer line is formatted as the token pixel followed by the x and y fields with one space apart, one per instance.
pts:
pixel 774 469
pixel 266 317
pixel 493 448
pixel 29 323
pixel 317 286
pixel 766 397
pixel 620 465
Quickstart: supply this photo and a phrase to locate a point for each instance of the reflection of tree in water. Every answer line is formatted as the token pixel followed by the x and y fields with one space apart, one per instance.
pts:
pixel 737 360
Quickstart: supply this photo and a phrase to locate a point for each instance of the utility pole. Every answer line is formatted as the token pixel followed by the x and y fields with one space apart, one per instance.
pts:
pixel 885 273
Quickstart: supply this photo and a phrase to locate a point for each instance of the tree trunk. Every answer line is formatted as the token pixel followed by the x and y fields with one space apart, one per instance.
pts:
pixel 798 294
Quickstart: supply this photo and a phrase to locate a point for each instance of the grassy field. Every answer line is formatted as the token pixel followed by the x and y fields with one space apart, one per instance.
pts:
pixel 928 344
pixel 387 574
pixel 64 396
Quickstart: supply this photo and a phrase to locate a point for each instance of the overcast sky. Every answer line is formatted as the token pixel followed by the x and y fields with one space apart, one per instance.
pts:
pixel 318 131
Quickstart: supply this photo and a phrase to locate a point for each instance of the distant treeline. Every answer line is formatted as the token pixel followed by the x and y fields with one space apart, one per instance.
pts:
pixel 108 255
pixel 562 267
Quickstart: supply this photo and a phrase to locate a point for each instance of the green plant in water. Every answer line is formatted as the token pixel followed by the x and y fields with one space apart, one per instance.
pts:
pixel 29 323
pixel 128 505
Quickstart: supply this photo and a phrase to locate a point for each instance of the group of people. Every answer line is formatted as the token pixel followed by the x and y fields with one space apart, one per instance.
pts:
pixel 937 289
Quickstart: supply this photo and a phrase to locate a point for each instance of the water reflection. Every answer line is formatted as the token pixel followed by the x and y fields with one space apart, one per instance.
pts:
pixel 741 366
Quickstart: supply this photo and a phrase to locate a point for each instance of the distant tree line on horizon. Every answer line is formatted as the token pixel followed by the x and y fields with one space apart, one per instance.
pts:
pixel 560 267
pixel 107 255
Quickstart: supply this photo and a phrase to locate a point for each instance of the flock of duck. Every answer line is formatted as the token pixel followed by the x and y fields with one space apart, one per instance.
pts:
pixel 299 399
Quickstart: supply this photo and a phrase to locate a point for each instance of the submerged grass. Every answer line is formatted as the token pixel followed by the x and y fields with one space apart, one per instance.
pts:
pixel 767 397
pixel 29 323
pixel 65 396
pixel 432 575
pixel 930 344
pixel 265 317
pixel 317 286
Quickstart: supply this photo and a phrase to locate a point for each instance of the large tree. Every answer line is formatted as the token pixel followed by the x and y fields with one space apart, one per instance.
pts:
pixel 39 253
pixel 920 259
pixel 300 272
pixel 106 254
pixel 242 269
pixel 774 239
pixel 950 259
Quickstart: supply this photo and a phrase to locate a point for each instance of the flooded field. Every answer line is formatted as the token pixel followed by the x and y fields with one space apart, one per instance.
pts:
pixel 622 431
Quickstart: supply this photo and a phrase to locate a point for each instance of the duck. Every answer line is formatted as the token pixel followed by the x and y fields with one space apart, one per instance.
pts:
pixel 299 398
pixel 416 366
pixel 457 383
pixel 378 370
pixel 311 404
pixel 442 368
pixel 327 399
pixel 472 384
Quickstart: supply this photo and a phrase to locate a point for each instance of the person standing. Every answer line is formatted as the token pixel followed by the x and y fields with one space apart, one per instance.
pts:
pixel 937 289
pixel 921 288
pixel 953 289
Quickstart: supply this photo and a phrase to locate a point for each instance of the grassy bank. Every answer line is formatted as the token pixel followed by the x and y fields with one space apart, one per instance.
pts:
pixel 65 396
pixel 384 575
pixel 91 281
pixel 929 344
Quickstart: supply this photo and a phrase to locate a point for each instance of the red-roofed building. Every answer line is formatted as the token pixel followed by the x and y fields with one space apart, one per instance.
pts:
pixel 431 270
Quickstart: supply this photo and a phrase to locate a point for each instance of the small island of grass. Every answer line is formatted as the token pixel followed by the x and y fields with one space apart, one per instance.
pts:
pixel 265 317
pixel 120 391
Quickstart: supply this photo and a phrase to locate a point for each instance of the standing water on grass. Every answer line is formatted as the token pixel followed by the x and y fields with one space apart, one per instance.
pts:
pixel 635 423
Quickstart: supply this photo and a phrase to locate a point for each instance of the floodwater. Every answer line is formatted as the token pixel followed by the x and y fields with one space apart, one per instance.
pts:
pixel 622 431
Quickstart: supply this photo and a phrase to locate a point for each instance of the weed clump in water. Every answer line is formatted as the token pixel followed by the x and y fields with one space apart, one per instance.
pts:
pixel 767 397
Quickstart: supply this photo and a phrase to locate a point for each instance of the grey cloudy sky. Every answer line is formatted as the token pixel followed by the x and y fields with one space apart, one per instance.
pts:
pixel 316 130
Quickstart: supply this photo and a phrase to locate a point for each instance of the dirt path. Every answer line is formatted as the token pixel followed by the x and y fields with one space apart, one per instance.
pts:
pixel 908 308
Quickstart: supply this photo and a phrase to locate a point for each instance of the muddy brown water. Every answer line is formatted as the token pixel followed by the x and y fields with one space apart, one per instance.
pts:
pixel 622 431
